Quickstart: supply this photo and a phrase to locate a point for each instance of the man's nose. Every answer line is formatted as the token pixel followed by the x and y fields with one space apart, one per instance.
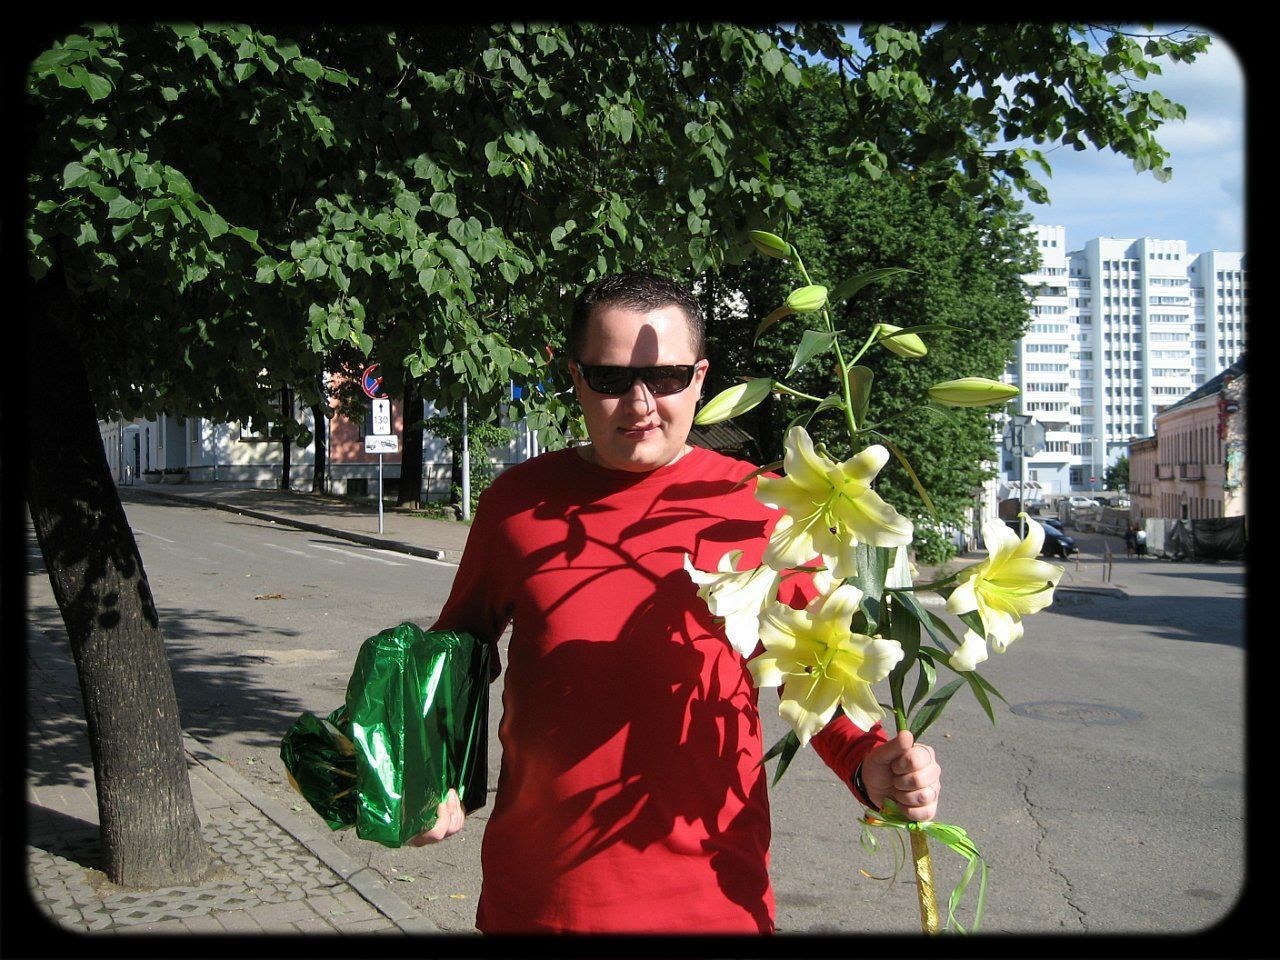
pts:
pixel 639 395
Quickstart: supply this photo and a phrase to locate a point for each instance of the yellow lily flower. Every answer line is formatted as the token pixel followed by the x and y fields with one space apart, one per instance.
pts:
pixel 736 595
pixel 830 507
pixel 821 663
pixel 1009 585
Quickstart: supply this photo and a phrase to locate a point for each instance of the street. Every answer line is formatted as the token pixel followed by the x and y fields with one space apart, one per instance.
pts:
pixel 1108 798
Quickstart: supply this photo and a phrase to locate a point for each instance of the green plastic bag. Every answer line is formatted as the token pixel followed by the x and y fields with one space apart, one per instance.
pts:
pixel 415 725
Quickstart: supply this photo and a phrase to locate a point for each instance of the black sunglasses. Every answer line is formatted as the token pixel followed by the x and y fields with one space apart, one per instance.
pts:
pixel 661 381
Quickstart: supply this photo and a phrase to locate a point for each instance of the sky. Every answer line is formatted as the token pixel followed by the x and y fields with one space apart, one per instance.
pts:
pixel 1098 194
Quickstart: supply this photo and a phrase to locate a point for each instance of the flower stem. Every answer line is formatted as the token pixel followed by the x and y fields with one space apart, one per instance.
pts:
pixel 844 369
pixel 923 864
pixel 922 861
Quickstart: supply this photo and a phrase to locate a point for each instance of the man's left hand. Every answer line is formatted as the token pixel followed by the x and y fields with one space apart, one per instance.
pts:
pixel 907 771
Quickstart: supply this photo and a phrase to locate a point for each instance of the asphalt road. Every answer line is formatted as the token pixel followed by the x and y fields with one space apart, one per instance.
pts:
pixel 1108 797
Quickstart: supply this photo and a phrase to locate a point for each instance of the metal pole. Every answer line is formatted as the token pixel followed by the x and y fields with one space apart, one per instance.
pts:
pixel 466 466
pixel 1022 489
pixel 379 493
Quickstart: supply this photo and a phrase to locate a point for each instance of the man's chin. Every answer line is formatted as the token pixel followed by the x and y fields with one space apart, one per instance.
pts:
pixel 640 458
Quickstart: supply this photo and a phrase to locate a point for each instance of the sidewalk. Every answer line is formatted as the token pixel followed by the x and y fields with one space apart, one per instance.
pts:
pixel 279 872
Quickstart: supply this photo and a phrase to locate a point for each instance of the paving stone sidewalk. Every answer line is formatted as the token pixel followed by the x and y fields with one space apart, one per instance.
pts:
pixel 276 872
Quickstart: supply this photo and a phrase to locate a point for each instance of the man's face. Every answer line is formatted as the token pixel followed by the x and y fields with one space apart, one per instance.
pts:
pixel 638 431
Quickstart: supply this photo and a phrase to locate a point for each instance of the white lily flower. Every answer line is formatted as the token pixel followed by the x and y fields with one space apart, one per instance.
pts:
pixel 1009 585
pixel 971 653
pixel 830 507
pixel 736 595
pixel 821 663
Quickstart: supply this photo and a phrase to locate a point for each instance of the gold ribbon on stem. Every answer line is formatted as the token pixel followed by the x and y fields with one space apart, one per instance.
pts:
pixel 949 835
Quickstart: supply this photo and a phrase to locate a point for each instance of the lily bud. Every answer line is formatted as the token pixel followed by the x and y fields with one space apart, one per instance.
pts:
pixel 907 345
pixel 737 400
pixel 771 245
pixel 972 392
pixel 807 299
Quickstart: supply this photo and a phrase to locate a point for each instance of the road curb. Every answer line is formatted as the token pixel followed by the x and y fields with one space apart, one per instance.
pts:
pixel 428 553
pixel 366 881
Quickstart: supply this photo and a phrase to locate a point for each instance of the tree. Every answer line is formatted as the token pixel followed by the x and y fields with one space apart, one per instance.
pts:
pixel 1117 476
pixel 962 272
pixel 431 193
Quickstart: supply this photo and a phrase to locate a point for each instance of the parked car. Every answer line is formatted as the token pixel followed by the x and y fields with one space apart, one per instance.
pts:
pixel 1082 501
pixel 1056 543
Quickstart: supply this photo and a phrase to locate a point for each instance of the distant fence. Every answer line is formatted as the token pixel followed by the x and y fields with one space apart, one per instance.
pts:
pixel 1211 538
pixel 1112 520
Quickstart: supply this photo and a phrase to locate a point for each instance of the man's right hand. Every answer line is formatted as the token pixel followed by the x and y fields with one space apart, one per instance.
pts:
pixel 449 820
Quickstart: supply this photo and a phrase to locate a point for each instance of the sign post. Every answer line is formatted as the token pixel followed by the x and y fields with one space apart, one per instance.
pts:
pixel 1024 438
pixel 381 440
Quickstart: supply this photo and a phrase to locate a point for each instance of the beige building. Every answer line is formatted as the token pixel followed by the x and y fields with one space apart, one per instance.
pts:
pixel 1193 467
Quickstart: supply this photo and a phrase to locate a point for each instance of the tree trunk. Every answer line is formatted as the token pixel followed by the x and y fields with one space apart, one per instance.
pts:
pixel 318 476
pixel 150 834
pixel 410 492
pixel 286 413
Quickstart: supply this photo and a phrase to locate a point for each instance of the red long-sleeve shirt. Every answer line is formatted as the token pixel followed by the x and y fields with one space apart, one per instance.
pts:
pixel 630 797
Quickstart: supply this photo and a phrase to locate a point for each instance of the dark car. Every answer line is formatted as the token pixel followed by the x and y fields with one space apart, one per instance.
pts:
pixel 1049 522
pixel 1056 543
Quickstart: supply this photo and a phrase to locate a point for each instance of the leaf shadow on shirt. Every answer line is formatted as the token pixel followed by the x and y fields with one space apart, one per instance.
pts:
pixel 668 683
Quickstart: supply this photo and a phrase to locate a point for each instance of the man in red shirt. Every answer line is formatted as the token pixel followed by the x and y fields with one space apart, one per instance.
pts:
pixel 631 797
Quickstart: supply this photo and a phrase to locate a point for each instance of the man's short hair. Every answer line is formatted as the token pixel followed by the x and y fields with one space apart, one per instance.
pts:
pixel 642 292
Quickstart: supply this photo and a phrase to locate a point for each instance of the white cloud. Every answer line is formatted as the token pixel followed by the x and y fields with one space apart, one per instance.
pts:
pixel 1099 194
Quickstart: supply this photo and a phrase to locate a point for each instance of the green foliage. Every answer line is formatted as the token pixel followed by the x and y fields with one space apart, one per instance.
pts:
pixel 431 197
pixel 1117 477
pixel 974 107
pixel 434 196
pixel 937 263
pixel 932 545
pixel 480 437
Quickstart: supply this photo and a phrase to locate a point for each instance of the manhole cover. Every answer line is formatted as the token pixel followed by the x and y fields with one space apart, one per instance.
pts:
pixel 1074 712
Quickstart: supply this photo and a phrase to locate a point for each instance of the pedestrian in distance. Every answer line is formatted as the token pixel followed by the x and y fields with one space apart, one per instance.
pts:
pixel 1130 540
pixel 631 797
pixel 1140 541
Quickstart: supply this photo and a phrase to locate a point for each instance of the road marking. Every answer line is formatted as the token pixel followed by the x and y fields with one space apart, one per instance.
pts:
pixel 299 553
pixel 149 534
pixel 362 556
pixel 415 559
pixel 228 546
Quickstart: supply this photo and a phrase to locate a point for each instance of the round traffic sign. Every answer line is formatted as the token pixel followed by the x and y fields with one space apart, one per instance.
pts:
pixel 371 383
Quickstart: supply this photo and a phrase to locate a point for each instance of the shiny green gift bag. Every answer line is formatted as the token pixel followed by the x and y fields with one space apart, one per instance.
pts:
pixel 415 724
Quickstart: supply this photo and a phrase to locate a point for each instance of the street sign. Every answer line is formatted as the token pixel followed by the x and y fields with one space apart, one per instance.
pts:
pixel 381 444
pixel 382 417
pixel 1023 437
pixel 370 382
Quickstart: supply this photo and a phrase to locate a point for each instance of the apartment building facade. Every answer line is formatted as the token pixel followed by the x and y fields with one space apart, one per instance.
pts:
pixel 1120 330
pixel 1192 468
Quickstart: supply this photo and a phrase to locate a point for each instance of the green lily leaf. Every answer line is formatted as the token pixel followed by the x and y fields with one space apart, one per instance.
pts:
pixel 852 285
pixel 771 319
pixel 860 379
pixel 812 343
pixel 933 707
pixel 802 419
pixel 915 481
pixel 925 679
pixel 784 750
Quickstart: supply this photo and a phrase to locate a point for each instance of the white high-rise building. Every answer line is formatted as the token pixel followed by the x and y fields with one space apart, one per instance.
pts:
pixel 1120 329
